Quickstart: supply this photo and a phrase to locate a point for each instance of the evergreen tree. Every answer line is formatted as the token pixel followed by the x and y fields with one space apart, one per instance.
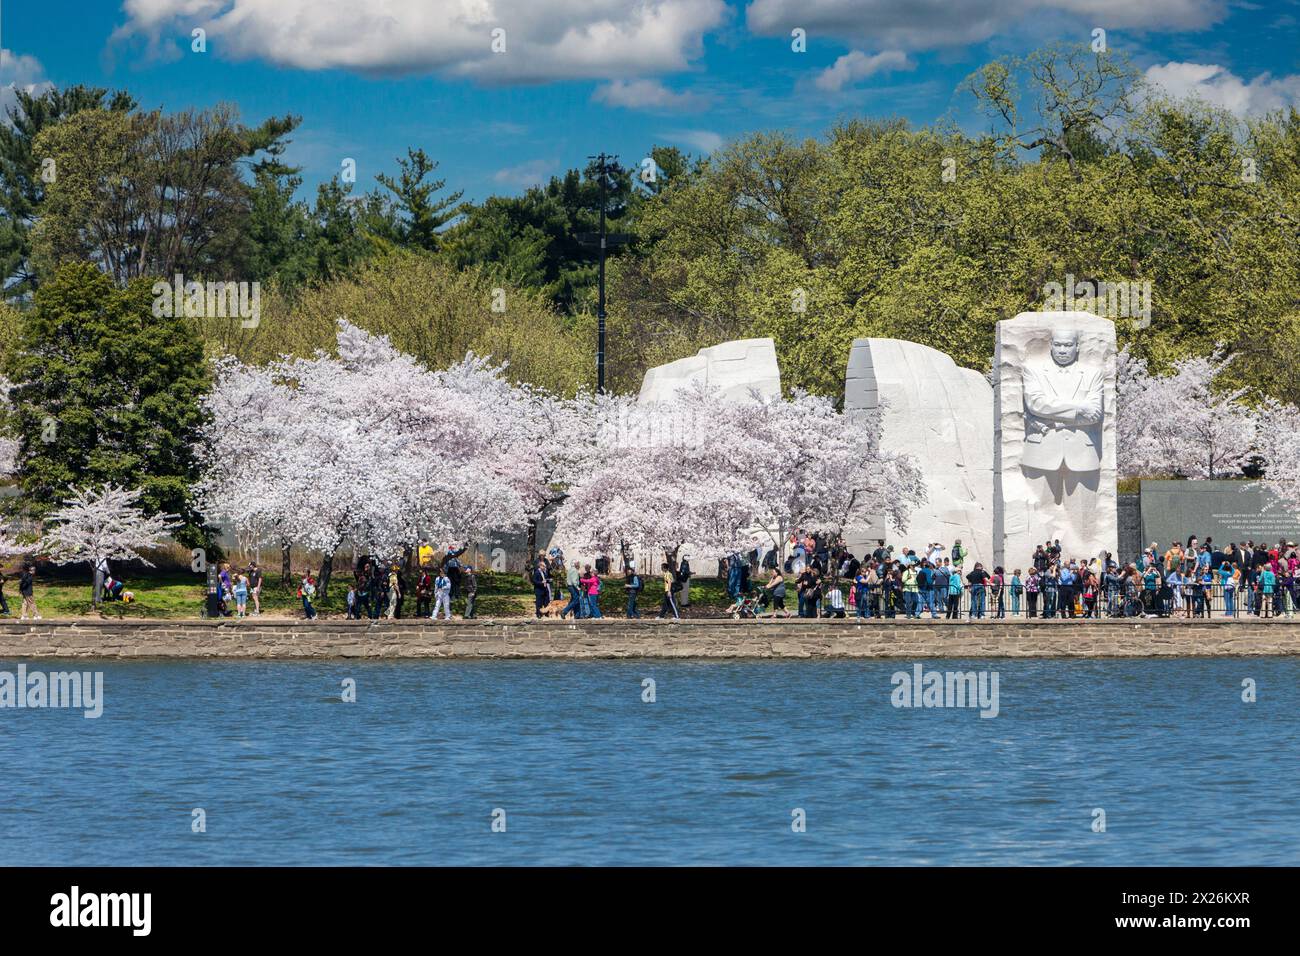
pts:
pixel 22 188
pixel 106 392
pixel 422 215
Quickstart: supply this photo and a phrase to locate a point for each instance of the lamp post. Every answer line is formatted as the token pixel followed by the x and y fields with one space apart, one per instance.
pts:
pixel 602 240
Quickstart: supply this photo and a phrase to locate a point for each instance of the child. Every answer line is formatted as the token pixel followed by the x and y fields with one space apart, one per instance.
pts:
pixel 352 603
pixel 113 589
pixel 442 596
pixel 307 592
pixel 241 595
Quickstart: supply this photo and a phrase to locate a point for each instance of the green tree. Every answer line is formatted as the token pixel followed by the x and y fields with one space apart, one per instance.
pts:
pixel 429 309
pixel 421 215
pixel 153 194
pixel 934 236
pixel 537 239
pixel 105 391
pixel 22 188
pixel 281 232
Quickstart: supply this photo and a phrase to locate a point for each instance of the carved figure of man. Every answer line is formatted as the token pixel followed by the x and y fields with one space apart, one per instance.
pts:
pixel 1063 410
pixel 1063 436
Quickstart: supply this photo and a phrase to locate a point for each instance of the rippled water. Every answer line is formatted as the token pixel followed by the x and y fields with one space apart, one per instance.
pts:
pixel 588 773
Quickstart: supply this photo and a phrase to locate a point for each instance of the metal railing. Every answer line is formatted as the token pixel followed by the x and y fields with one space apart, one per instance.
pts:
pixel 1006 602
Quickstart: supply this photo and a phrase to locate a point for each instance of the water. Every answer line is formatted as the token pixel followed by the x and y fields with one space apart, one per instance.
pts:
pixel 587 773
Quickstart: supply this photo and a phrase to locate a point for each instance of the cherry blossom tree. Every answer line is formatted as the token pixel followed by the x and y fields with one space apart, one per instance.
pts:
pixel 816 469
pixel 104 523
pixel 654 483
pixel 1182 423
pixel 370 447
pixel 1279 447
pixel 1135 451
pixel 10 545
pixel 722 474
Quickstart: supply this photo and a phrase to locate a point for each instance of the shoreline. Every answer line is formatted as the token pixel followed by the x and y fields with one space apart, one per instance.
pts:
pixel 618 638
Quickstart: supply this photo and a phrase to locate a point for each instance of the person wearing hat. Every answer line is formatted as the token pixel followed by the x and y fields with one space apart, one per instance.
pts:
pixel 307 591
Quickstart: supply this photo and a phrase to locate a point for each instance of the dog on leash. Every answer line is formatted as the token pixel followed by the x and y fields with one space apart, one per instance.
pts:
pixel 554 608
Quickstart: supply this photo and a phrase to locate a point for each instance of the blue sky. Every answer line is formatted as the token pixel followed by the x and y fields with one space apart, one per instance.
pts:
pixel 578 76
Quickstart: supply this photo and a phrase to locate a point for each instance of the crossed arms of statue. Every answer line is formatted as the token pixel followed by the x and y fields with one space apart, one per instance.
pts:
pixel 1082 408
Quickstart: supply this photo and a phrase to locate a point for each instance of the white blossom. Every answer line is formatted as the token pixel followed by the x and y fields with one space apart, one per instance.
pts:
pixel 724 474
pixel 372 447
pixel 1279 447
pixel 1181 423
pixel 104 522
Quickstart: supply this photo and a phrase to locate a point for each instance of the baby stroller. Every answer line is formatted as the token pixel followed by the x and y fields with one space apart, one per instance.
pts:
pixel 749 604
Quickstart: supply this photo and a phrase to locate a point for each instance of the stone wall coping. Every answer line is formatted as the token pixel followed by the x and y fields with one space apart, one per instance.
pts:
pixel 527 638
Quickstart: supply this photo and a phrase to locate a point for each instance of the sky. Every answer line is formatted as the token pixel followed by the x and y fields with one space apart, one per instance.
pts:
pixel 506 93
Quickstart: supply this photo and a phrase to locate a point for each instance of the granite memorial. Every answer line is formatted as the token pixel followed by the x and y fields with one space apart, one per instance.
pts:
pixel 942 416
pixel 1054 436
pixel 733 367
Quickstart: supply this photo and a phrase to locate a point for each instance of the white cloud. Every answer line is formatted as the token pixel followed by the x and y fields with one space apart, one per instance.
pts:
pixel 19 72
pixel 855 66
pixel 706 141
pixel 927 24
pixel 531 173
pixel 1220 87
pixel 544 39
pixel 646 95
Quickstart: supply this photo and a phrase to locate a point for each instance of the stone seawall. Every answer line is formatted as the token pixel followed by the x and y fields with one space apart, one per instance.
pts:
pixel 615 638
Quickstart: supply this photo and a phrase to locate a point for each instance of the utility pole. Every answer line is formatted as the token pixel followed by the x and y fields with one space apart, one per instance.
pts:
pixel 600 303
pixel 603 241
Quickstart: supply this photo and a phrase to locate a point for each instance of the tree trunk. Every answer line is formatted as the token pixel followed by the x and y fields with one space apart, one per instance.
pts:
pixel 286 564
pixel 532 542
pixel 326 572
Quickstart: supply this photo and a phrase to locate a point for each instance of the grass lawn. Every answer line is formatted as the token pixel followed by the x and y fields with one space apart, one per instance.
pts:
pixel 177 595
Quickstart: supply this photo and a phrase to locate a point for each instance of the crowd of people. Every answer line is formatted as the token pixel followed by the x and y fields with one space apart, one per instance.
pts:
pixel 1190 579
pixel 234 588
pixel 381 588
pixel 1186 579
pixel 582 584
